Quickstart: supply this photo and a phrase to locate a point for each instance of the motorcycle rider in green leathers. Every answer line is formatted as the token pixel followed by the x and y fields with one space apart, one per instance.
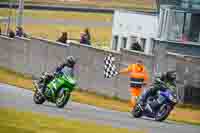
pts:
pixel 67 67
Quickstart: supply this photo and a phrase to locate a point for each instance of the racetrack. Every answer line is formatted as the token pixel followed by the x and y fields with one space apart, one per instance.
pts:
pixel 21 99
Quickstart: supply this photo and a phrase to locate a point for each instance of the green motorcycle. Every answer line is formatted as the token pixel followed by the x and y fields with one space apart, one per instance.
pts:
pixel 57 91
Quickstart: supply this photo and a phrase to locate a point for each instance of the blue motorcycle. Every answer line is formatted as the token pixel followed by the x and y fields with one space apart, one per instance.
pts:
pixel 159 106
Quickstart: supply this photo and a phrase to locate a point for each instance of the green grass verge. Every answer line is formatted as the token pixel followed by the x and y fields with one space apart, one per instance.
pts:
pixel 13 121
pixel 8 0
pixel 141 5
pixel 180 113
pixel 68 15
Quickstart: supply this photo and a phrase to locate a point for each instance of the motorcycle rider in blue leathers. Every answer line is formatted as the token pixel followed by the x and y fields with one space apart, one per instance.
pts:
pixel 169 78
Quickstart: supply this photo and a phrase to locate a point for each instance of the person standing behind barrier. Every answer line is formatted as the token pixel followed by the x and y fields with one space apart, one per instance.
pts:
pixel 20 32
pixel 63 38
pixel 11 33
pixel 138 76
pixel 136 46
pixel 85 37
pixel 87 33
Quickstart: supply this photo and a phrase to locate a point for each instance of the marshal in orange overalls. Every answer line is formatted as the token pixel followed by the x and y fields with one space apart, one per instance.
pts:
pixel 138 76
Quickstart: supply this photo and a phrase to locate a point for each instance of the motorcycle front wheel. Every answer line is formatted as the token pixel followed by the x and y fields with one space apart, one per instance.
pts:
pixel 163 112
pixel 136 112
pixel 38 98
pixel 62 99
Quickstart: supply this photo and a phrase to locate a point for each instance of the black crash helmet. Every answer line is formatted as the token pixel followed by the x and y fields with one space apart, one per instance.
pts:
pixel 71 61
pixel 171 75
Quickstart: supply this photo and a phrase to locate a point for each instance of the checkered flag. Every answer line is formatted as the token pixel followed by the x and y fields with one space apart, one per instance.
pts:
pixel 110 69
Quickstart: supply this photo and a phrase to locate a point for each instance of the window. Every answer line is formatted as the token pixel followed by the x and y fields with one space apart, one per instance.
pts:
pixel 193 4
pixel 137 43
pixel 171 2
pixel 176 26
pixel 153 45
pixel 115 42
pixel 182 26
pixel 142 43
pixel 133 39
pixel 163 24
pixel 124 42
pixel 161 20
pixel 194 30
pixel 182 3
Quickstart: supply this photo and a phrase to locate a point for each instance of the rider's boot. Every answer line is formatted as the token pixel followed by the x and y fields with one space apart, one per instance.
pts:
pixel 40 87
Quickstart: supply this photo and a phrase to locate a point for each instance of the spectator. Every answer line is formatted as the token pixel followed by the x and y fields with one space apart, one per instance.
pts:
pixel 63 38
pixel 87 33
pixel 85 37
pixel 20 32
pixel 11 33
pixel 136 46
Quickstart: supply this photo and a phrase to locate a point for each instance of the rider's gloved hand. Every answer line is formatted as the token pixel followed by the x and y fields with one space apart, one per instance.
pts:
pixel 55 73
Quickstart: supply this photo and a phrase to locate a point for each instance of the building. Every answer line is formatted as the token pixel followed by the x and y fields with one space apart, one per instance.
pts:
pixel 179 33
pixel 179 26
pixel 177 22
pixel 130 26
pixel 176 30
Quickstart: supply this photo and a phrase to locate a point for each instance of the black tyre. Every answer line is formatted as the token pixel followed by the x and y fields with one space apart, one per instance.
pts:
pixel 136 112
pixel 62 99
pixel 38 98
pixel 163 112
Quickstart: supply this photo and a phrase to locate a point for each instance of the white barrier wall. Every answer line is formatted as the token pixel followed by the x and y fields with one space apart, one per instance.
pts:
pixel 38 55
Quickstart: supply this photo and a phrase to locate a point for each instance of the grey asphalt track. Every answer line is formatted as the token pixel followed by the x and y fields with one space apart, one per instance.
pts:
pixel 21 99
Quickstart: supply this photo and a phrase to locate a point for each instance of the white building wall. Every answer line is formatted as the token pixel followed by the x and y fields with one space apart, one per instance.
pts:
pixel 128 24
